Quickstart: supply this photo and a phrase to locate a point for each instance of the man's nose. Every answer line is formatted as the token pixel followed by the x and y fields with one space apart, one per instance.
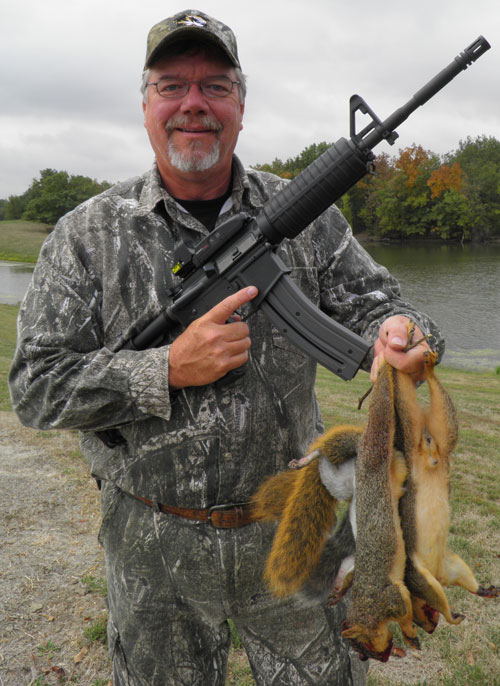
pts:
pixel 194 100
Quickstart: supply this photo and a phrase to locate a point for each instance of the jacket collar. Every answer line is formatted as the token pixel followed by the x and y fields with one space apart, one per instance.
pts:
pixel 153 193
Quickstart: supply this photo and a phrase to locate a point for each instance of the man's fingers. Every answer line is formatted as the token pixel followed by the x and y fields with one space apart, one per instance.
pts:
pixel 394 332
pixel 223 310
pixel 394 346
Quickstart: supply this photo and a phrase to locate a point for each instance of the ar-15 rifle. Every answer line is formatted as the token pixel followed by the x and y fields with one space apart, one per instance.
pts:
pixel 241 251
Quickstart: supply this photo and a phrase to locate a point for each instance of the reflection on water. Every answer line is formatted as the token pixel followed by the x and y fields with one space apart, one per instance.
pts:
pixel 459 288
pixel 14 280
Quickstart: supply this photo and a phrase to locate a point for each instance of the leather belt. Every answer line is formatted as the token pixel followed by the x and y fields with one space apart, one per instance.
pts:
pixel 229 516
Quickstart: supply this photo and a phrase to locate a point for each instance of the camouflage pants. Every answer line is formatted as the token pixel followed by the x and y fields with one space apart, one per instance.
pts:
pixel 173 584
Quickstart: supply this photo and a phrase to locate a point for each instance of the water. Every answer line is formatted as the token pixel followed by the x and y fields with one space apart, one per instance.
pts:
pixel 14 280
pixel 459 287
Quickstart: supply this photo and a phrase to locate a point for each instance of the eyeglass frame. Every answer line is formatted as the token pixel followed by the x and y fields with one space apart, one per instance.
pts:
pixel 188 83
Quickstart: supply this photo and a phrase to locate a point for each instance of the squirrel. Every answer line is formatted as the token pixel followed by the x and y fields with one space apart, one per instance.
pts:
pixel 379 593
pixel 427 439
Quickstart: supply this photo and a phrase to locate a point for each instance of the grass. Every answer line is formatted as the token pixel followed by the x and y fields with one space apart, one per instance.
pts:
pixel 96 631
pixel 48 650
pixel 8 315
pixel 21 241
pixel 95 585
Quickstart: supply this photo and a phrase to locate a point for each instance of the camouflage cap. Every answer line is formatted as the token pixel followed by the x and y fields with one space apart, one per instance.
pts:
pixel 190 24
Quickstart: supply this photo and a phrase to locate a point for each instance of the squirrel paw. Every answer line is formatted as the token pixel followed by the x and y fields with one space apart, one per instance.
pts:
pixel 412 641
pixel 430 359
pixel 490 592
pixel 342 584
pixel 304 461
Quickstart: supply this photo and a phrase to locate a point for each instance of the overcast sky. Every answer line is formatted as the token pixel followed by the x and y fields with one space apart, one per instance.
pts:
pixel 71 71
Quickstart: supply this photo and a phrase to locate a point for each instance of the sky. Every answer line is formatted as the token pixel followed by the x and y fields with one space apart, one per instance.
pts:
pixel 69 83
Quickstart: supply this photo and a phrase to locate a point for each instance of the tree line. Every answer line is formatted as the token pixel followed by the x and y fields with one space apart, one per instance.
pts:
pixel 51 196
pixel 418 194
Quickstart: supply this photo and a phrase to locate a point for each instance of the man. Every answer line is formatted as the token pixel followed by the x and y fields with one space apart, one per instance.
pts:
pixel 181 558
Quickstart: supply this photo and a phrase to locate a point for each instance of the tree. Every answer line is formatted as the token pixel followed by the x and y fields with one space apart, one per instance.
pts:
pixel 453 216
pixel 480 161
pixel 57 193
pixel 15 206
pixel 446 178
pixel 398 202
pixel 294 165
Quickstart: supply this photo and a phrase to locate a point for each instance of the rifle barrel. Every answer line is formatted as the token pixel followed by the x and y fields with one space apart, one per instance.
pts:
pixel 460 63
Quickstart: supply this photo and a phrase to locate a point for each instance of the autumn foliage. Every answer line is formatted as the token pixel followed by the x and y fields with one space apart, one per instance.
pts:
pixel 420 194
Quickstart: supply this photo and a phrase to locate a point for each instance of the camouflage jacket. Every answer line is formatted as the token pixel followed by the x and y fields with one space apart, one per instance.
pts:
pixel 104 273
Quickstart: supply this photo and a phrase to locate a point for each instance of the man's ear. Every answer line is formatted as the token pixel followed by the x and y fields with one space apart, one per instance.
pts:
pixel 242 110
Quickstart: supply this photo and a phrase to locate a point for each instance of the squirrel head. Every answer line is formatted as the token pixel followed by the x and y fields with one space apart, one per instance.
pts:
pixel 376 645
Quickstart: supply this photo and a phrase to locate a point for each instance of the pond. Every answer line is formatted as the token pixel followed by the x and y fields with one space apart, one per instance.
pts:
pixel 14 280
pixel 457 286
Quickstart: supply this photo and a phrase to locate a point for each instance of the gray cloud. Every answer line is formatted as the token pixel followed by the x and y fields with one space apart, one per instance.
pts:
pixel 69 83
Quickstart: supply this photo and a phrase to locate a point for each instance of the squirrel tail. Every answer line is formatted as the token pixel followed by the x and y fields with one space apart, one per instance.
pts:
pixel 270 499
pixel 306 521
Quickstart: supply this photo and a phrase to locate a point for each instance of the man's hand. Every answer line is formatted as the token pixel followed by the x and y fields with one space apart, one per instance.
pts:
pixel 209 347
pixel 390 345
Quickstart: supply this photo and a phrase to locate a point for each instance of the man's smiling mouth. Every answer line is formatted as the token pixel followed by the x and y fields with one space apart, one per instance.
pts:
pixel 196 130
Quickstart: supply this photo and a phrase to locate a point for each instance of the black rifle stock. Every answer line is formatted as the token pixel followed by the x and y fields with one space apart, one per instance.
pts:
pixel 241 251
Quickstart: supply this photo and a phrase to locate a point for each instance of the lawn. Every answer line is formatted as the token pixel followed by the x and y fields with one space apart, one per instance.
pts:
pixel 20 241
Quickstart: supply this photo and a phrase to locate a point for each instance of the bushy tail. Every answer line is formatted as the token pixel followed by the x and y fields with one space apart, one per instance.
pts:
pixel 307 519
pixel 270 499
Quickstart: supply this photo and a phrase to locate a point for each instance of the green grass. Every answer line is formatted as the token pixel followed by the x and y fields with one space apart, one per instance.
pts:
pixel 95 585
pixel 96 632
pixel 21 241
pixel 48 650
pixel 8 315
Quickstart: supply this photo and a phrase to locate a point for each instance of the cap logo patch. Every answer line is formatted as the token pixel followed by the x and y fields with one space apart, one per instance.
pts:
pixel 192 20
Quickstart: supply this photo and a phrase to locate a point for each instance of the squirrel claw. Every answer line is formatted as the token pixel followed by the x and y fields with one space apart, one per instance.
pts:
pixel 490 592
pixel 412 641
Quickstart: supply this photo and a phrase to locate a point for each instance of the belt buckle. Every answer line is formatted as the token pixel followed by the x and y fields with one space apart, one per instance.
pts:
pixel 221 508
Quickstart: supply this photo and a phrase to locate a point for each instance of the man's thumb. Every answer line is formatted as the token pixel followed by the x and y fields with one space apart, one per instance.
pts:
pixel 223 310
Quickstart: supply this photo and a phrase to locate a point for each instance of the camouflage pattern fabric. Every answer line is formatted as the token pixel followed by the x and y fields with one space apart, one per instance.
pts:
pixel 102 275
pixel 174 584
pixel 194 25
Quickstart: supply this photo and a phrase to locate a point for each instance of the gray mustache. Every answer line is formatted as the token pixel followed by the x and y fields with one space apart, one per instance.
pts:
pixel 185 122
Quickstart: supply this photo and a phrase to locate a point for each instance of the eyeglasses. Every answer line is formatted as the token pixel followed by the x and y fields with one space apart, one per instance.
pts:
pixel 211 86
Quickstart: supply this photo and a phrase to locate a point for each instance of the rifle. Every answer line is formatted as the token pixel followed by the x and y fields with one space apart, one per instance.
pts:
pixel 241 251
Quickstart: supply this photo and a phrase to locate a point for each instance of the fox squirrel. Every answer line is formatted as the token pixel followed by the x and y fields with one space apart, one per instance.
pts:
pixel 428 438
pixel 396 473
